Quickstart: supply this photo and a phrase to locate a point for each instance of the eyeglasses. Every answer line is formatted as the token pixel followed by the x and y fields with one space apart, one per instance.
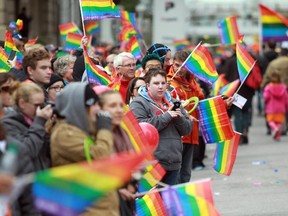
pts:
pixel 128 65
pixel 4 89
pixel 56 88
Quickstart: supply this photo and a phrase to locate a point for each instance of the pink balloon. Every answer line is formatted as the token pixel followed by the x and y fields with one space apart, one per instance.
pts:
pixel 151 134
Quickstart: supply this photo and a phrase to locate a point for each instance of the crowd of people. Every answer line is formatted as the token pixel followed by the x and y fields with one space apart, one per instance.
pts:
pixel 56 118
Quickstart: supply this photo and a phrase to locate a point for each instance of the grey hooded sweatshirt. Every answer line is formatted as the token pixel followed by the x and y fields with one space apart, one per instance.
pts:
pixel 169 150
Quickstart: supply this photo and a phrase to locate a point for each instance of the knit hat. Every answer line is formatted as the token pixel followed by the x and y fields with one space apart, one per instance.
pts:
pixel 53 79
pixel 149 57
pixel 90 96
pixel 160 49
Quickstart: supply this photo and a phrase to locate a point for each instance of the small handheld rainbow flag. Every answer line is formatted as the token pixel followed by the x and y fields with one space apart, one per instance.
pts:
pixel 180 44
pixel 225 155
pixel 4 66
pixel 214 121
pixel 73 41
pixel 128 19
pixel 220 82
pixel 151 204
pixel 228 30
pixel 274 25
pixel 245 62
pixel 9 43
pixel 70 189
pixel 66 28
pixel 94 73
pixel 32 41
pixel 99 9
pixel 133 47
pixel 200 64
pixel 92 27
pixel 229 89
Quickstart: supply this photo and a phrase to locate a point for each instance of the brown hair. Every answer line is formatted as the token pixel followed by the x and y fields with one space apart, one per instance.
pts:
pixel 154 72
pixel 131 87
pixel 275 76
pixel 33 56
pixel 181 55
pixel 25 90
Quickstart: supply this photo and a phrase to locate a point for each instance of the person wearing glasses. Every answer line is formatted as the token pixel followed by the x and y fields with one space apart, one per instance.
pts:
pixel 54 87
pixel 125 66
pixel 133 88
pixel 26 123
pixel 151 61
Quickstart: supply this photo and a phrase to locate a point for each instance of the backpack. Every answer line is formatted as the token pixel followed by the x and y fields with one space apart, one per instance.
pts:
pixel 254 79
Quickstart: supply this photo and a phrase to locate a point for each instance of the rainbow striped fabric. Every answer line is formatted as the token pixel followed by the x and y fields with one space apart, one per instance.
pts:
pixel 66 28
pixel 92 27
pixel 228 30
pixel 200 64
pixel 4 66
pixel 245 62
pixel 99 9
pixel 126 33
pixel 133 47
pixel 94 74
pixel 32 41
pixel 274 25
pixel 229 89
pixel 225 155
pixel 193 198
pixel 180 44
pixel 73 41
pixel 214 121
pixel 9 43
pixel 151 204
pixel 128 19
pixel 70 189
pixel 220 82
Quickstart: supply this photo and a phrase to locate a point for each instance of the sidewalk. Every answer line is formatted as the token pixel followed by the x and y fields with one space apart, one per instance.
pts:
pixel 258 184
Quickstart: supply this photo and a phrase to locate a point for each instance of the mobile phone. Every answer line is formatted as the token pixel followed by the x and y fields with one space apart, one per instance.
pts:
pixel 177 105
pixel 12 55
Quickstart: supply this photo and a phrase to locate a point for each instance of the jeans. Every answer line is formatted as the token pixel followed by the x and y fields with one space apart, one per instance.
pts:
pixel 170 177
pixel 186 166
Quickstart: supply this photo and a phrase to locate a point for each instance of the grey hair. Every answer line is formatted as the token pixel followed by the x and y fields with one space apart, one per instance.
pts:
pixel 61 64
pixel 118 60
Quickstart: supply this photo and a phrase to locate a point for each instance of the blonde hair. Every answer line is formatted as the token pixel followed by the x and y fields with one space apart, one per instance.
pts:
pixel 24 91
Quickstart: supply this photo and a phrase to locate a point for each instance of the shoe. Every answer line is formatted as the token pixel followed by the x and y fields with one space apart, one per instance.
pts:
pixel 268 133
pixel 275 133
pixel 198 168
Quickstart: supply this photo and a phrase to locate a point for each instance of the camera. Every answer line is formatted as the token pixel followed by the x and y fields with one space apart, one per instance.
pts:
pixel 47 103
pixel 177 105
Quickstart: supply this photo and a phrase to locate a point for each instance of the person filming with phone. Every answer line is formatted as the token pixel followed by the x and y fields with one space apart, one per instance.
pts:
pixel 154 105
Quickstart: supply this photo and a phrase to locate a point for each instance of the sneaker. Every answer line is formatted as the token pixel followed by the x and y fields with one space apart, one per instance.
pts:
pixel 278 135
pixel 275 133
pixel 196 168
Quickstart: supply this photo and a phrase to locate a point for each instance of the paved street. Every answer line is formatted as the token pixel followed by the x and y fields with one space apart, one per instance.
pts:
pixel 258 184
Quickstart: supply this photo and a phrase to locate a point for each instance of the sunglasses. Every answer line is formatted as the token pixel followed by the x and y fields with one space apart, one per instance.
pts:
pixel 4 89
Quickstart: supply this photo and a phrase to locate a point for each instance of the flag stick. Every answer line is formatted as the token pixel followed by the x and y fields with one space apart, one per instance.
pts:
pixel 83 25
pixel 185 61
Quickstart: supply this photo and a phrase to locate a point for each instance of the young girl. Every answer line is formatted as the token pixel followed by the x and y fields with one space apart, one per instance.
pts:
pixel 276 103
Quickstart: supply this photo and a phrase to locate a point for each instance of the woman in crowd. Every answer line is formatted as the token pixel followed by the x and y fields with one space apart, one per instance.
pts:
pixel 133 87
pixel 63 66
pixel 54 87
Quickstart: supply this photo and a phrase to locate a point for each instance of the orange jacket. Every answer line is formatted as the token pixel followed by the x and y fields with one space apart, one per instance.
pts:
pixel 185 90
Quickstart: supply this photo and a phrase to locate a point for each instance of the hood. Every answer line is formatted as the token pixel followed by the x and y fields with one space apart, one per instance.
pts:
pixel 277 90
pixel 70 104
pixel 144 93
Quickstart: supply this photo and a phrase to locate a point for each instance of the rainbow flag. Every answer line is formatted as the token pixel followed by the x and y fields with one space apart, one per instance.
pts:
pixel 4 66
pixel 151 204
pixel 116 84
pixel 228 30
pixel 9 43
pixel 180 44
pixel 32 41
pixel 193 198
pixel 66 28
pixel 99 9
pixel 94 73
pixel 151 177
pixel 274 25
pixel 229 89
pixel 200 64
pixel 214 121
pixel 128 19
pixel 70 189
pixel 133 47
pixel 92 27
pixel 220 82
pixel 225 155
pixel 73 41
pixel 126 33
pixel 245 62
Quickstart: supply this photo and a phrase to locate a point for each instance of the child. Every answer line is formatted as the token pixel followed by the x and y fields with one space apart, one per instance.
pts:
pixel 276 103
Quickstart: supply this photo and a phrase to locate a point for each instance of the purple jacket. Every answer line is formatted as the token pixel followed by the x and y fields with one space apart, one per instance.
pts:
pixel 276 98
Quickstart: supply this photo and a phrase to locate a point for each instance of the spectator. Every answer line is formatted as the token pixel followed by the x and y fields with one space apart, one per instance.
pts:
pixel 133 88
pixel 54 87
pixel 151 61
pixel 63 66
pixel 164 53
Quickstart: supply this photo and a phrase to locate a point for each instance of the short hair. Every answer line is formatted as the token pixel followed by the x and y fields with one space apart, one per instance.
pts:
pixel 271 43
pixel 181 55
pixel 154 72
pixel 149 57
pixel 118 60
pixel 104 94
pixel 131 87
pixel 24 90
pixel 32 57
pixel 61 64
